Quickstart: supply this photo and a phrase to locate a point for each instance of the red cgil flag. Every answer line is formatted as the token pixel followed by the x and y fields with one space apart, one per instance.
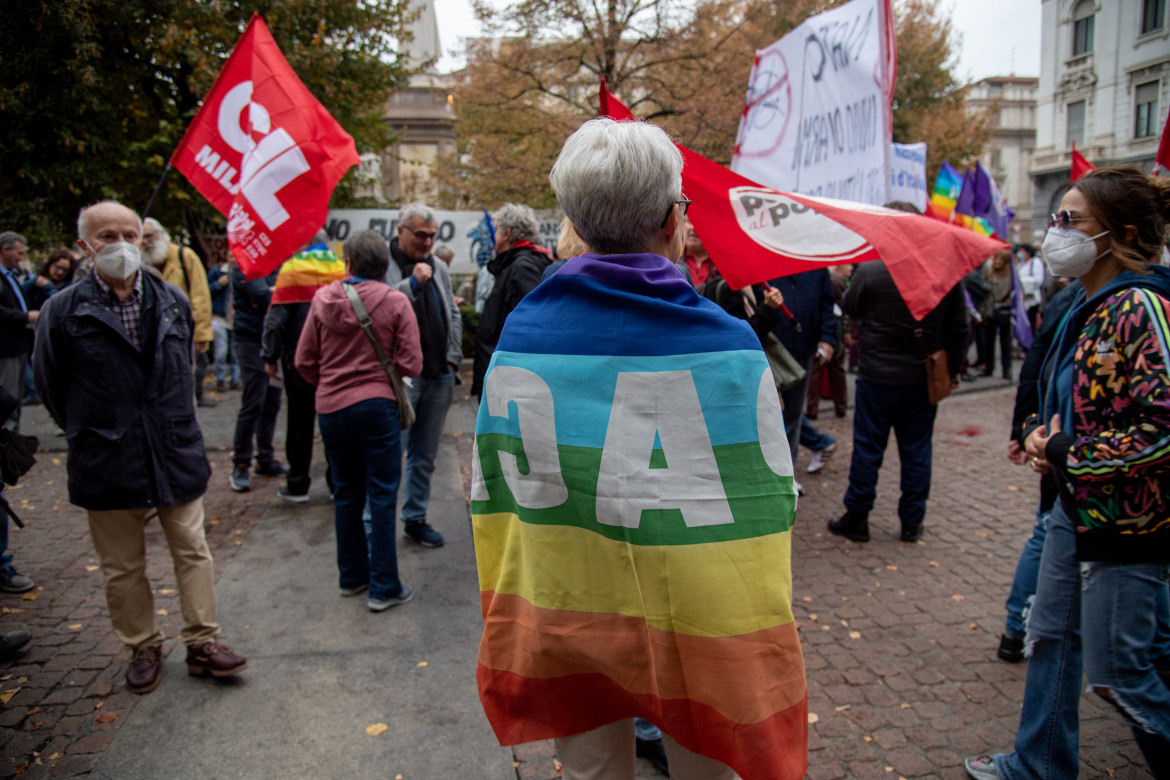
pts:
pixel 1080 166
pixel 265 152
pixel 756 233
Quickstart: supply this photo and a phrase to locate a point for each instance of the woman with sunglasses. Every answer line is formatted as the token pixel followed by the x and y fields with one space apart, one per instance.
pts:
pixel 1103 432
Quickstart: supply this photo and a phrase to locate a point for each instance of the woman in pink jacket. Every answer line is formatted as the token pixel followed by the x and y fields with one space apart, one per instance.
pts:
pixel 358 414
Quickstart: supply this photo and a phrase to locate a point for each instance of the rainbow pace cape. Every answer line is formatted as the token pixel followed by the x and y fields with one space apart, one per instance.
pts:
pixel 632 503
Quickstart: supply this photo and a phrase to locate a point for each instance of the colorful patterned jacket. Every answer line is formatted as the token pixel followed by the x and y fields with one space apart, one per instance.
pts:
pixel 1108 378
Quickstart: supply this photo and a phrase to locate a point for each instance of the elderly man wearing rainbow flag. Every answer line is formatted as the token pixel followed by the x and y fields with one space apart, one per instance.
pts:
pixel 632 498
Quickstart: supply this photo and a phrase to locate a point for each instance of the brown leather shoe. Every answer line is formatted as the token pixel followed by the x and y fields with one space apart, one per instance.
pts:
pixel 214 659
pixel 145 670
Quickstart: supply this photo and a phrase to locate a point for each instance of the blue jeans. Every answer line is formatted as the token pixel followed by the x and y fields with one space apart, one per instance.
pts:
pixel 811 438
pixel 5 559
pixel 877 409
pixel 431 399
pixel 222 351
pixel 364 448
pixel 1048 737
pixel 1019 601
pixel 793 399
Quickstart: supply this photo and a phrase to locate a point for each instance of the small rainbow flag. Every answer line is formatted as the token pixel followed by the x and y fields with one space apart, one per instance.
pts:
pixel 306 272
pixel 947 186
pixel 632 503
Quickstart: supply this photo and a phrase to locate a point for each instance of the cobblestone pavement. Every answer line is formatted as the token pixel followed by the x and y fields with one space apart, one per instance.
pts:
pixel 899 639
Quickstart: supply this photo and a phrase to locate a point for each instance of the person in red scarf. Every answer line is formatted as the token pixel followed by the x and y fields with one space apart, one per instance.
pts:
pixel 518 266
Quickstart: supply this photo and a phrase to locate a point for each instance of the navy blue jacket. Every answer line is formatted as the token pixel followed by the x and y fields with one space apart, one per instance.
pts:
pixel 251 304
pixel 128 415
pixel 809 296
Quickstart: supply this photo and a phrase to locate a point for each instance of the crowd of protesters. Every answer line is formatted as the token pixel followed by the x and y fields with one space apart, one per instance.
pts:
pixel 369 347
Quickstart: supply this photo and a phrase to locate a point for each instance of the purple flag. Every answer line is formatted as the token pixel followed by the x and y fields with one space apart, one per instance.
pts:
pixel 1021 325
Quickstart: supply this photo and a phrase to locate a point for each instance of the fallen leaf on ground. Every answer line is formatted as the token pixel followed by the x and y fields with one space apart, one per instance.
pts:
pixel 166 591
pixel 957 597
pixel 868 739
pixel 6 696
pixel 905 706
pixel 557 765
pixel 423 664
pixel 91 568
pixel 35 726
pixel 55 756
pixel 161 612
pixel 855 635
pixel 374 729
pixel 1014 488
pixel 74 626
pixel 33 711
pixel 10 610
pixel 106 717
pixel 20 768
pixel 843 707
pixel 981 534
pixel 97 705
pixel 814 618
pixel 972 626
pixel 813 717
pixel 934 564
pixel 891 567
pixel 807 599
pixel 889 769
pixel 30 596
pixel 56 461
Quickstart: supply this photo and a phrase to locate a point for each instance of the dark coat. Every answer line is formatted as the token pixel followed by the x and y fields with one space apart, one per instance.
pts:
pixel 128 416
pixel 809 296
pixel 518 271
pixel 890 352
pixel 251 300
pixel 16 338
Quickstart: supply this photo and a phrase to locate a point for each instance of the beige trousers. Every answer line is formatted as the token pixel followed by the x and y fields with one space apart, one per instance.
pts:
pixel 119 537
pixel 607 753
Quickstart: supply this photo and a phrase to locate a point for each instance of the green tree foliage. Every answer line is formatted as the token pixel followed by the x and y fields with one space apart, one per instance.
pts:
pixel 684 66
pixel 96 94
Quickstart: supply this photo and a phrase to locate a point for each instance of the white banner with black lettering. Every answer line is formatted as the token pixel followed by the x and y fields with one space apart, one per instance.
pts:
pixel 908 174
pixel 817 119
pixel 460 230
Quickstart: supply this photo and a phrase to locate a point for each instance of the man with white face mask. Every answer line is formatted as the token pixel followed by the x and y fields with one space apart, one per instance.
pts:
pixel 190 276
pixel 112 362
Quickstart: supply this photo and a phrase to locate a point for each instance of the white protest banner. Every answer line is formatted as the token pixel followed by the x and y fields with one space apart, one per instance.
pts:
pixel 818 118
pixel 908 174
pixel 454 227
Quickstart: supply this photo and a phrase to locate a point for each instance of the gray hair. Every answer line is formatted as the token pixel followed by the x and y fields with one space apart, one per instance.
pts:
pixel 412 210
pixel 368 254
pixel 520 219
pixel 83 217
pixel 154 223
pixel 616 181
pixel 9 239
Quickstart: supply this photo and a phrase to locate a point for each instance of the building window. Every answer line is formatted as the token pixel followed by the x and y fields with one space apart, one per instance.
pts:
pixel 1145 98
pixel 1076 123
pixel 1153 12
pixel 1083 28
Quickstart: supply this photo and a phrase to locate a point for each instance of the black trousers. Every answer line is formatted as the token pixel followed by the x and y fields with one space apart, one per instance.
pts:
pixel 298 437
pixel 259 406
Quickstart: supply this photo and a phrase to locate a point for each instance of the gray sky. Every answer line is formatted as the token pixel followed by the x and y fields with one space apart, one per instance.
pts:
pixel 999 37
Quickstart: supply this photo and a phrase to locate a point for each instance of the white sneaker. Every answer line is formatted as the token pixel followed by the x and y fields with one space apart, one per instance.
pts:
pixel 820 458
pixel 799 487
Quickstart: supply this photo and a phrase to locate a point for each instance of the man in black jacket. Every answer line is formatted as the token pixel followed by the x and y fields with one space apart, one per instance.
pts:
pixel 260 401
pixel 113 366
pixel 16 323
pixel 518 265
pixel 891 393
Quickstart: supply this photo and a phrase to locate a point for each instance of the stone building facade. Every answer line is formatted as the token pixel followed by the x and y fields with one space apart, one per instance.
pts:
pixel 1104 84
